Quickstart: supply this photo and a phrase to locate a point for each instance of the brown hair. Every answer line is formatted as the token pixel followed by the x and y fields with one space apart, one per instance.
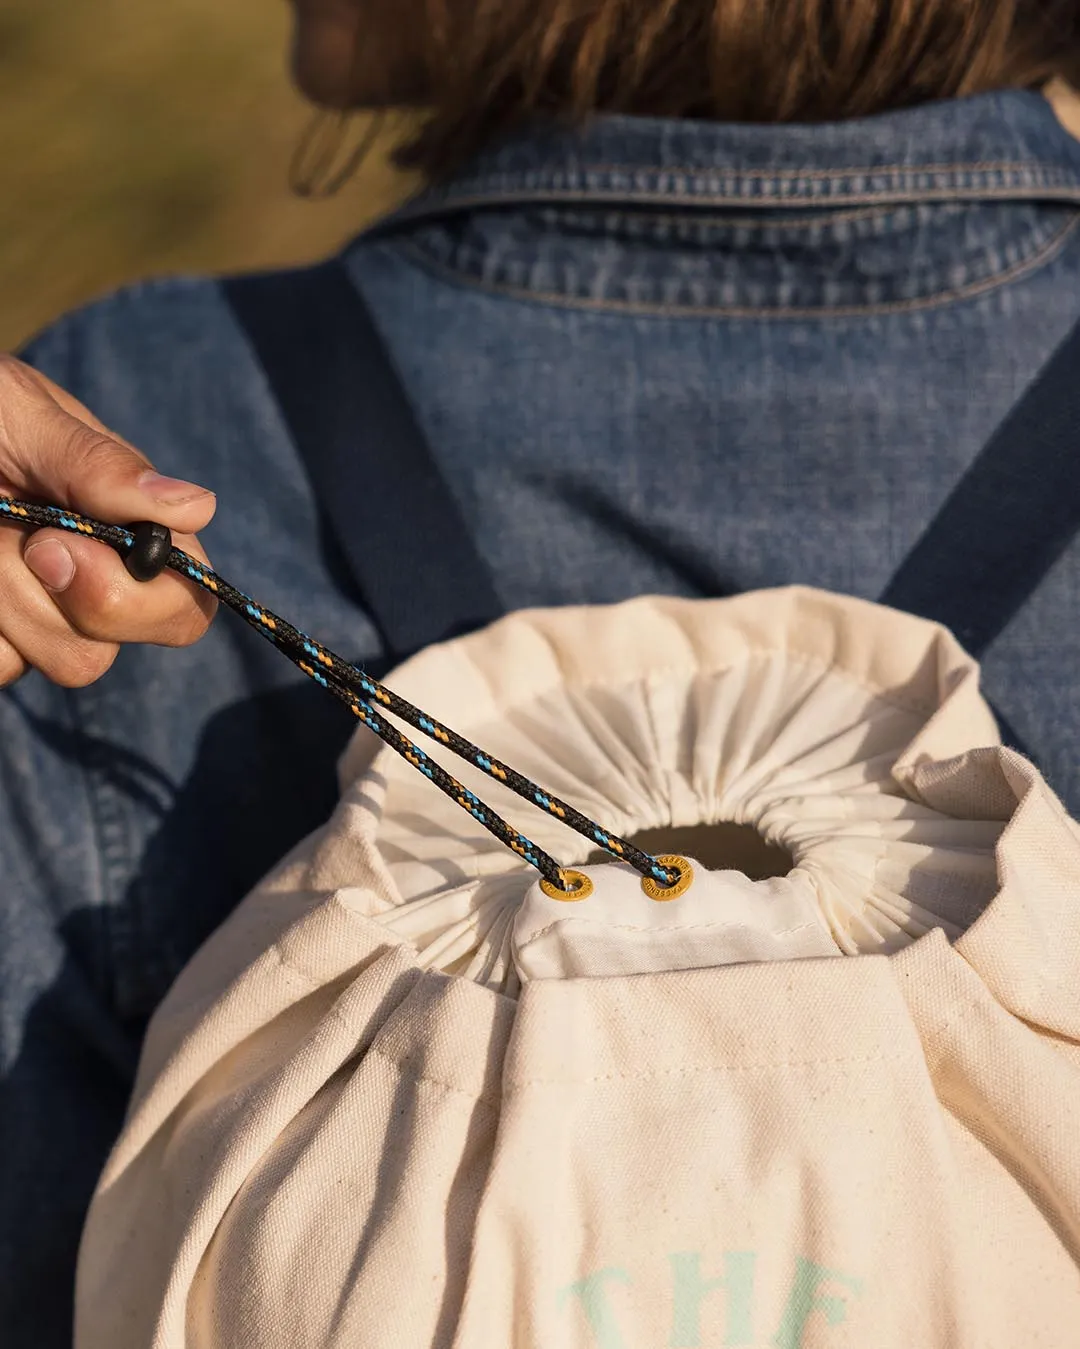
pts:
pixel 491 64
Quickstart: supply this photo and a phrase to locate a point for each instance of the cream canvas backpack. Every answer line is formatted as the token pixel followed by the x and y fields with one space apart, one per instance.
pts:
pixel 406 1097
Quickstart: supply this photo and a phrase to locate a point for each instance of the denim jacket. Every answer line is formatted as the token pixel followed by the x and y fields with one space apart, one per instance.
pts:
pixel 655 357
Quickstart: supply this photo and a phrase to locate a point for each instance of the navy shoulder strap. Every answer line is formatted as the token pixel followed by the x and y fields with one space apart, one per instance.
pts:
pixel 1008 520
pixel 997 535
pixel 393 518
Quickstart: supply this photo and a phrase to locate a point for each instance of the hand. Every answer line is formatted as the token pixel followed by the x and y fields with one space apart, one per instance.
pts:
pixel 67 602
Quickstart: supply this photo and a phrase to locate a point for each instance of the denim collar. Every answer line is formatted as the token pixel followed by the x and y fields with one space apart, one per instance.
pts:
pixel 1006 145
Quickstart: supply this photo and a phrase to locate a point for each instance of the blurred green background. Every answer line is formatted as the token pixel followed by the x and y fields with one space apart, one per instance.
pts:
pixel 146 136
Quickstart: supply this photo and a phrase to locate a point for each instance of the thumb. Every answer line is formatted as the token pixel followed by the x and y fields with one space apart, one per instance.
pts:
pixel 49 450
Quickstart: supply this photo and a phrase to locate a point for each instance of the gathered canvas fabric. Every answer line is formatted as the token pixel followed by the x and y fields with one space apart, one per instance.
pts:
pixel 404 1097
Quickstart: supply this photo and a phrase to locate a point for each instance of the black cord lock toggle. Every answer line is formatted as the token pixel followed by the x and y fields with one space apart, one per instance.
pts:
pixel 151 545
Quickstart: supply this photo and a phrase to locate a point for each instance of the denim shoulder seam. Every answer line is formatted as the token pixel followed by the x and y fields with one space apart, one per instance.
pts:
pixel 119 943
pixel 102 856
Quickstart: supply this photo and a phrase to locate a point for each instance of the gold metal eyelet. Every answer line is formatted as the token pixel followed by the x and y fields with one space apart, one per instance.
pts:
pixel 661 893
pixel 579 887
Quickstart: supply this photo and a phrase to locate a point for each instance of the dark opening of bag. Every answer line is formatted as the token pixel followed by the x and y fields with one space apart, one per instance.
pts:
pixel 719 847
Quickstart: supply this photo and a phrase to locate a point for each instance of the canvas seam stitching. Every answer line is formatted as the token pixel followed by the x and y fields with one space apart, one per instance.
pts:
pixel 696 1069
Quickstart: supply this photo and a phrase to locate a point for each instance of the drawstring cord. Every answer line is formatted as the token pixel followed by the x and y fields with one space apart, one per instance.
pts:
pixel 147 550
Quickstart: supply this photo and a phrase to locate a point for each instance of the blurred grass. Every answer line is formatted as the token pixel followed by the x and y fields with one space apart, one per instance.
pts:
pixel 145 138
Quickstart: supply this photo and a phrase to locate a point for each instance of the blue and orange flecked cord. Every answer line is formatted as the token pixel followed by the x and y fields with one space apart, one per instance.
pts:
pixel 147 550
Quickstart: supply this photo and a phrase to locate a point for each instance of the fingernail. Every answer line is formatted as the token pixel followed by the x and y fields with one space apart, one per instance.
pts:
pixel 170 491
pixel 51 562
